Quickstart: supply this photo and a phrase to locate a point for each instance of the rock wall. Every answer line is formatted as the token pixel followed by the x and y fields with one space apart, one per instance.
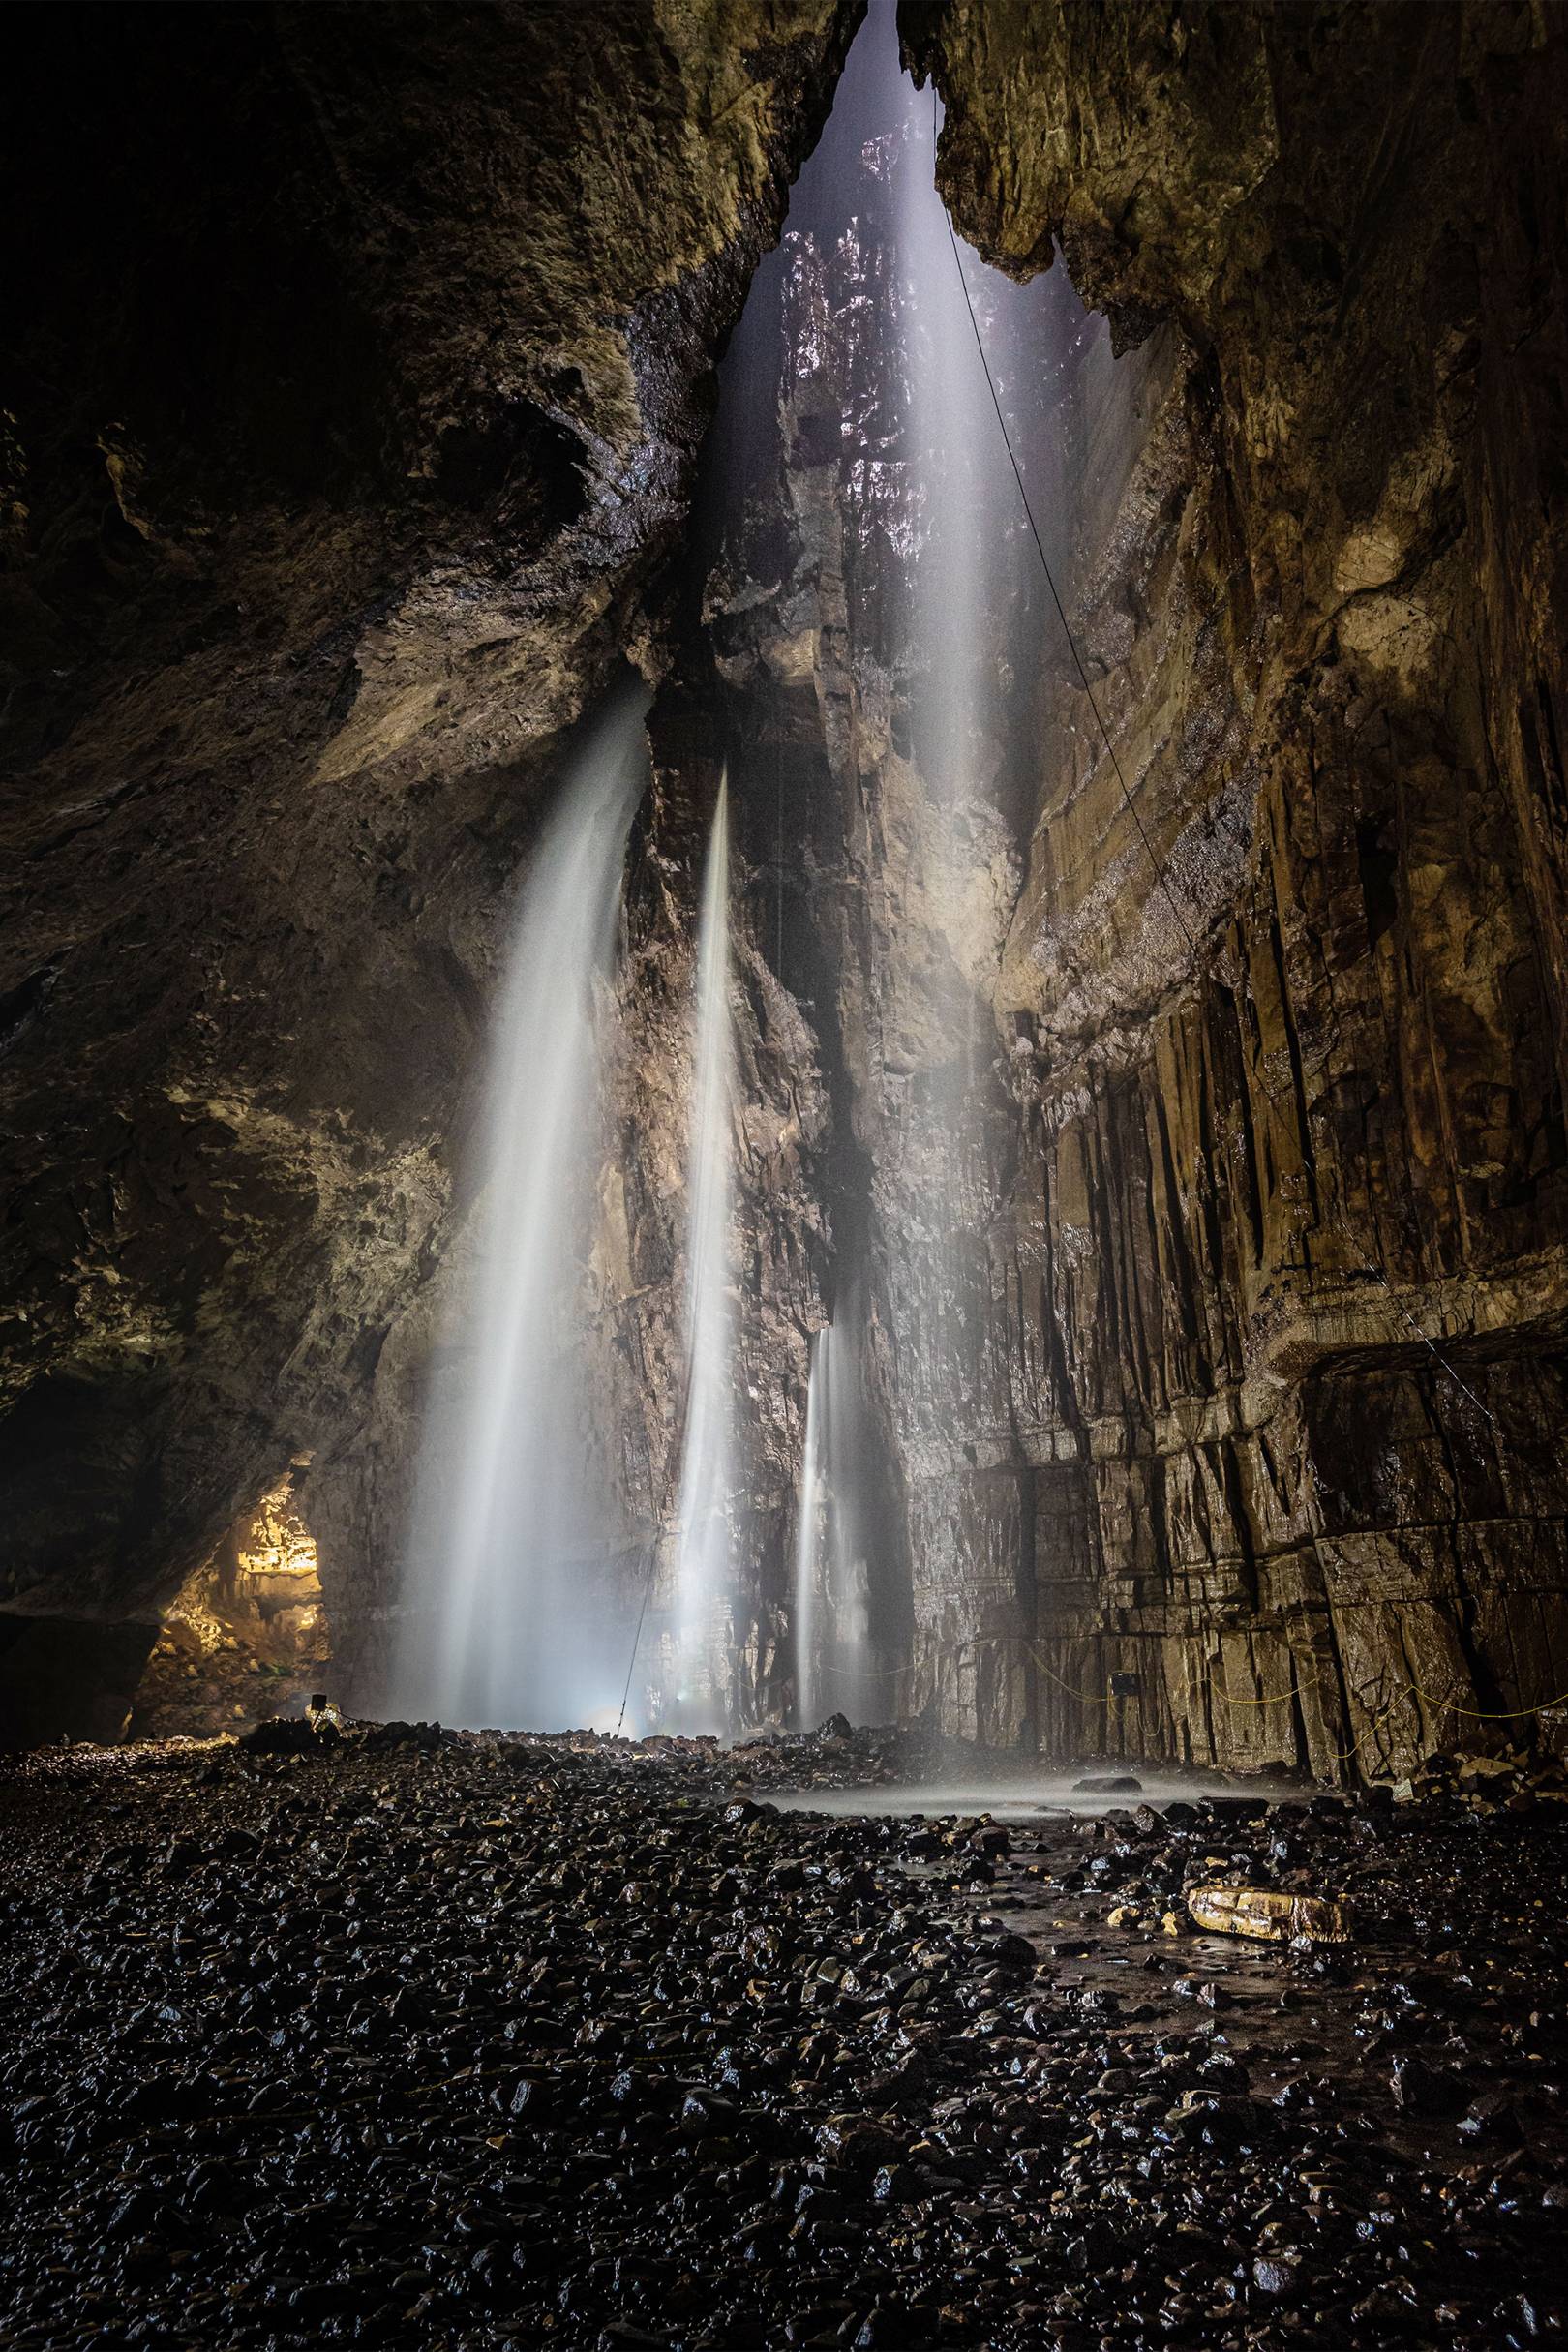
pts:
pixel 1281 1276
pixel 1197 1102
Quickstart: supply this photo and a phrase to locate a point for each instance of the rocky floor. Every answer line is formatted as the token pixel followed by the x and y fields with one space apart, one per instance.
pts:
pixel 190 1692
pixel 512 2043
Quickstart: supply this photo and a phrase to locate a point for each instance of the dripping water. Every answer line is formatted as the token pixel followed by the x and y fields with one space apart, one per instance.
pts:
pixel 953 488
pixel 808 1535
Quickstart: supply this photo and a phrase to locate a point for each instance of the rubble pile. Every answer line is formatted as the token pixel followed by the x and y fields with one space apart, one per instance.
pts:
pixel 405 2036
pixel 201 1692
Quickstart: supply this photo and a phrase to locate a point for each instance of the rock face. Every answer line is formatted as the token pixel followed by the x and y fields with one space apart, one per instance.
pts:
pixel 1282 1271
pixel 360 375
pixel 1188 1113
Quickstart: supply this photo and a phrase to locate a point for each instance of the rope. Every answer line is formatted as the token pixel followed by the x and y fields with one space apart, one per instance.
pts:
pixel 637 1638
pixel 1368 1264
pixel 1088 1697
pixel 1268 1698
pixel 675 1450
pixel 1405 1690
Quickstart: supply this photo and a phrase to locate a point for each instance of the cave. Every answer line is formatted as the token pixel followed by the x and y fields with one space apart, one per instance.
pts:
pixel 783 1185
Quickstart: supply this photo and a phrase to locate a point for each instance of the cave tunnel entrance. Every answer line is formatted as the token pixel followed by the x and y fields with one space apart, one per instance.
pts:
pixel 246 1637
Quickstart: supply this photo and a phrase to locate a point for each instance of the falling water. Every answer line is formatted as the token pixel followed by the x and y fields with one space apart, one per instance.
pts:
pixel 836 1664
pixel 954 449
pixel 809 1536
pixel 702 1554
pixel 500 1626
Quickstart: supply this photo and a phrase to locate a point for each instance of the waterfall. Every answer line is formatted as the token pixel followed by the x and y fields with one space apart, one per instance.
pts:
pixel 500 1625
pixel 703 1542
pixel 954 447
pixel 836 1665
pixel 809 1537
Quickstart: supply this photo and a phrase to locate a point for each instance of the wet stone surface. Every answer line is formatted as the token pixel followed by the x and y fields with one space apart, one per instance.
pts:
pixel 517 2043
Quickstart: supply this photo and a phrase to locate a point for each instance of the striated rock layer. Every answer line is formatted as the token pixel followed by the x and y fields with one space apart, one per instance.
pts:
pixel 1278 1273
pixel 1195 1101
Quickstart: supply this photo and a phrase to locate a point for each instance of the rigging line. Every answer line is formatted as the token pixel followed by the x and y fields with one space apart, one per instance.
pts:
pixel 637 1638
pixel 1050 582
pixel 1368 1265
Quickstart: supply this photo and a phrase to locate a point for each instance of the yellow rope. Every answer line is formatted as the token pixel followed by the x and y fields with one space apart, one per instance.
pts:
pixel 1089 1698
pixel 1268 1698
pixel 1481 1714
pixel 1475 1714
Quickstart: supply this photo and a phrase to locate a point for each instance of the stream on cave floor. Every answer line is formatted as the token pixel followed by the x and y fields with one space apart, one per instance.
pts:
pixel 1085 1790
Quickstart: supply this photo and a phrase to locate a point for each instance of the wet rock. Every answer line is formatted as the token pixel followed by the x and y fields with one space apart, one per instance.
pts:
pixel 1269 1915
pixel 1492 2120
pixel 1423 2089
pixel 521 2039
pixel 290 1736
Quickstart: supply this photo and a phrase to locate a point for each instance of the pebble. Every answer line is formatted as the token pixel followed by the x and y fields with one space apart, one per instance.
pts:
pixel 478 2043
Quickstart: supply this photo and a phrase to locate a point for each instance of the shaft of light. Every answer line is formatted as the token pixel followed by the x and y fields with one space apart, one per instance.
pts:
pixel 808 1539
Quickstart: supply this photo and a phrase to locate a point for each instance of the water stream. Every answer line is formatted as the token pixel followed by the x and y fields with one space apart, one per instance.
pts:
pixel 838 1666
pixel 509 1615
pixel 957 485
pixel 809 1537
pixel 499 1625
pixel 703 1539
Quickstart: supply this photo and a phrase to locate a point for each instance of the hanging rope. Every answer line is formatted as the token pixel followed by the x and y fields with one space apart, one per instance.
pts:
pixel 1410 1689
pixel 1367 1263
pixel 637 1637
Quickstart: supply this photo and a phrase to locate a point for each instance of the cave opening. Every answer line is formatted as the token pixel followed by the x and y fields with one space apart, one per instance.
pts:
pixel 247 1637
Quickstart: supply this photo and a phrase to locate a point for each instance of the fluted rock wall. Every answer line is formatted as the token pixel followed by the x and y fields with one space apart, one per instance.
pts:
pixel 1197 1109
pixel 1282 1263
